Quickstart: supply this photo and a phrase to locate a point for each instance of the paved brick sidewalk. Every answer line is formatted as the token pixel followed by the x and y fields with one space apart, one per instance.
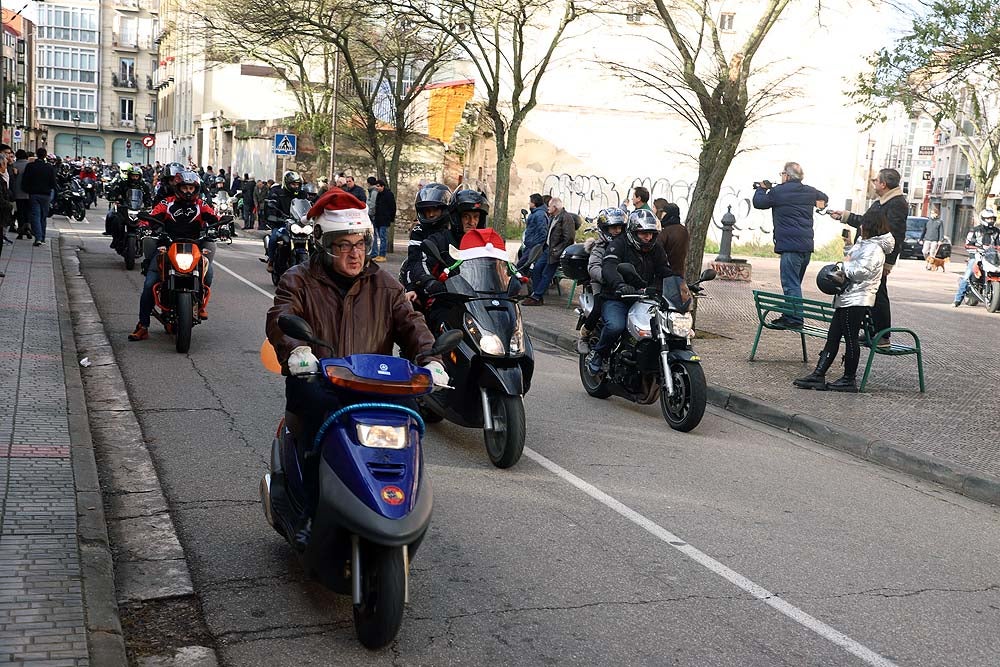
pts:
pixel 42 619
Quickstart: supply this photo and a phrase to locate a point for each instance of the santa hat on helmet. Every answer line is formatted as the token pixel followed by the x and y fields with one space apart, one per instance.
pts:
pixel 339 211
pixel 480 243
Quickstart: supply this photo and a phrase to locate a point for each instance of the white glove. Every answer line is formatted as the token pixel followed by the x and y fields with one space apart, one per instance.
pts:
pixel 302 361
pixel 438 374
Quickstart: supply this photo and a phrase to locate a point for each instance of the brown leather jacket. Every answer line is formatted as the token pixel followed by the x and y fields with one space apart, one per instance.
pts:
pixel 372 316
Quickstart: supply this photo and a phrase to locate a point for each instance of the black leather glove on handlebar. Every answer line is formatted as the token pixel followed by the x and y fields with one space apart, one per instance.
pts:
pixel 627 290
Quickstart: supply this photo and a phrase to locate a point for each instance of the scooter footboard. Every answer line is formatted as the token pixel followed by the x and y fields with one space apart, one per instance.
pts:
pixel 340 509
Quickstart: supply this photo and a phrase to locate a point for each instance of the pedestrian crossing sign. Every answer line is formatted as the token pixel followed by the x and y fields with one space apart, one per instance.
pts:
pixel 284 145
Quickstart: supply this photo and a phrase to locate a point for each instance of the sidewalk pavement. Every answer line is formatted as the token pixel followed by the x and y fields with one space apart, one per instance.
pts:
pixel 56 591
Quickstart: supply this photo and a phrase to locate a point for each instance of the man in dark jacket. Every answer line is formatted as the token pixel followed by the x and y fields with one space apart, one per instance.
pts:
pixel 791 203
pixel 248 185
pixel 355 189
pixel 536 227
pixel 674 238
pixel 892 203
pixel 39 181
pixel 562 233
pixel 385 216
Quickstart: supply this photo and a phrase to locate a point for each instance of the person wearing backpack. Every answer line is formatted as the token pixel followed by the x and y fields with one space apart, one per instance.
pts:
pixel 562 233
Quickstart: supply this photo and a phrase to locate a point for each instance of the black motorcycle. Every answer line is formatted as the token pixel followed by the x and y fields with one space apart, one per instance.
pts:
pixel 295 243
pixel 491 370
pixel 89 191
pixel 653 358
pixel 128 213
pixel 69 200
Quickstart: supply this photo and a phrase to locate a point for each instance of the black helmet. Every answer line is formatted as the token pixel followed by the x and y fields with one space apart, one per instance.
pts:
pixel 433 195
pixel 469 200
pixel 292 182
pixel 175 169
pixel 642 220
pixel 610 217
pixel 831 279
pixel 188 178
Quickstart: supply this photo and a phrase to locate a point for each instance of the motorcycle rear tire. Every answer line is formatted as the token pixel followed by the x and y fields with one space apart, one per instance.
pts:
pixel 684 410
pixel 129 252
pixel 383 588
pixel 185 322
pixel 590 383
pixel 505 443
pixel 993 305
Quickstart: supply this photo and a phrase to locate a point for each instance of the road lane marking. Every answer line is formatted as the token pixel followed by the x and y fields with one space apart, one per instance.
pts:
pixel 767 597
pixel 802 618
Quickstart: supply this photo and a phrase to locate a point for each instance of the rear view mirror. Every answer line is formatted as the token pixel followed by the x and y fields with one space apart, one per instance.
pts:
pixel 447 342
pixel 295 327
pixel 524 212
pixel 707 274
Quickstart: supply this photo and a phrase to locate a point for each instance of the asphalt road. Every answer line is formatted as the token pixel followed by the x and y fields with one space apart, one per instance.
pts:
pixel 614 541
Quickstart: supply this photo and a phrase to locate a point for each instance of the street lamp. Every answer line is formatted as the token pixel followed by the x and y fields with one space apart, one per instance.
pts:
pixel 76 140
pixel 149 120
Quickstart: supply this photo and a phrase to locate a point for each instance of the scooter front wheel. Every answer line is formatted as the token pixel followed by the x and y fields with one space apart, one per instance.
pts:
pixel 684 410
pixel 505 443
pixel 993 303
pixel 383 589
pixel 428 415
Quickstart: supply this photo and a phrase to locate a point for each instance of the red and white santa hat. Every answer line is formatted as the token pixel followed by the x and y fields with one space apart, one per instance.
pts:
pixel 480 243
pixel 339 211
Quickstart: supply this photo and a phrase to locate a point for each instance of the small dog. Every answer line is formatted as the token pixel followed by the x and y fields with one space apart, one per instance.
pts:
pixel 933 264
pixel 941 257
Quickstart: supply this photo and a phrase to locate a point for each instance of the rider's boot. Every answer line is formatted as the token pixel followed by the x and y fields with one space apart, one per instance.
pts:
pixel 846 384
pixel 203 308
pixel 817 379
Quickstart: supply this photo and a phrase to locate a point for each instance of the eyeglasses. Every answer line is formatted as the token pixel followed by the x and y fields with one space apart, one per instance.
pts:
pixel 345 247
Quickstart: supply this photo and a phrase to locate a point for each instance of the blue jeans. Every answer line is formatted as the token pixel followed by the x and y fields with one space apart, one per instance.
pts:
pixel 39 215
pixel 614 315
pixel 793 269
pixel 963 284
pixel 272 240
pixel 146 301
pixel 380 242
pixel 542 275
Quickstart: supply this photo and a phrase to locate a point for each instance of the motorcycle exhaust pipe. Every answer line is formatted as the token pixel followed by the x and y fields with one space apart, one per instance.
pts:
pixel 356 569
pixel 487 413
pixel 265 498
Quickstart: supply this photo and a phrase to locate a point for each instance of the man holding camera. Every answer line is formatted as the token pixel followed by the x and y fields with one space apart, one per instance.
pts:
pixel 791 203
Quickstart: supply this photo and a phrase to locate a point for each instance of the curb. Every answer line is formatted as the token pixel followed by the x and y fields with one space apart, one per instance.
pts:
pixel 954 476
pixel 105 641
pixel 137 528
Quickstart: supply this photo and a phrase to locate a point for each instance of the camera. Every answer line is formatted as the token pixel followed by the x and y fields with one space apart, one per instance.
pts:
pixel 762 184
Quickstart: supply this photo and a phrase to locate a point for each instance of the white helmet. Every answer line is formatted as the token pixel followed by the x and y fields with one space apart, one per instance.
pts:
pixel 337 213
pixel 988 216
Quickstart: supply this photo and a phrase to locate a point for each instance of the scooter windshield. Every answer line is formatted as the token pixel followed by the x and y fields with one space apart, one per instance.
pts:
pixel 672 293
pixel 135 199
pixel 483 275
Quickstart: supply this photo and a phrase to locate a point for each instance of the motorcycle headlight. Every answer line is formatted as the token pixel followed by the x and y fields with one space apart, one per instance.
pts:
pixel 382 436
pixel 488 341
pixel 307 229
pixel 516 344
pixel 680 324
pixel 185 260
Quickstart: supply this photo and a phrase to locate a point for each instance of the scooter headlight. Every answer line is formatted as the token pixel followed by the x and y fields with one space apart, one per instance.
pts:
pixel 185 260
pixel 382 436
pixel 516 345
pixel 488 341
pixel 680 324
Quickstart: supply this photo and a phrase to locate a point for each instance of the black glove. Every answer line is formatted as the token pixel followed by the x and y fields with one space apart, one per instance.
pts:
pixel 434 287
pixel 626 290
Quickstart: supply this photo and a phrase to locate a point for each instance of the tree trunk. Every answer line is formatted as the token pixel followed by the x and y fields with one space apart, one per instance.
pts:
pixel 716 155
pixel 506 143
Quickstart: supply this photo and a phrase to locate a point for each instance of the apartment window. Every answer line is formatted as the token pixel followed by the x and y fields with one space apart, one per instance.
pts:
pixel 72 24
pixel 634 13
pixel 66 63
pixel 126 71
pixel 126 109
pixel 61 103
pixel 726 21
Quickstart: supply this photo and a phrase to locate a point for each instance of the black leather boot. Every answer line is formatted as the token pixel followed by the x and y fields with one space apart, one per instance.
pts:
pixel 845 383
pixel 817 379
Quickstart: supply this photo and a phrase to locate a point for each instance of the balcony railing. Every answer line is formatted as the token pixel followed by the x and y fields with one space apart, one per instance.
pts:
pixel 118 80
pixel 122 41
pixel 960 182
pixel 128 5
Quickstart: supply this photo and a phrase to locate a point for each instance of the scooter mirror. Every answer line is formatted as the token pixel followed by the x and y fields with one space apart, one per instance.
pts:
pixel 535 254
pixel 432 250
pixel 524 212
pixel 295 327
pixel 707 274
pixel 448 341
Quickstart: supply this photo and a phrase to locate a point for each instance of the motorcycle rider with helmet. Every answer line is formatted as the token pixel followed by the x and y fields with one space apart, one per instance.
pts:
pixel 638 247
pixel 982 235
pixel 169 177
pixel 350 302
pixel 277 207
pixel 432 203
pixel 184 215
pixel 610 224
pixel 115 220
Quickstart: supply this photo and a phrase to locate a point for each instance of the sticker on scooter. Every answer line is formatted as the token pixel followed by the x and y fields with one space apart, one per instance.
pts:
pixel 383 369
pixel 393 495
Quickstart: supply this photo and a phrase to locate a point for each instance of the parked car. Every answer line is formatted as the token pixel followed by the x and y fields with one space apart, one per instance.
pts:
pixel 913 247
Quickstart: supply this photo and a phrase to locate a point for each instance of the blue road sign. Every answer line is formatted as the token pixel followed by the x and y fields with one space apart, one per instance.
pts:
pixel 284 145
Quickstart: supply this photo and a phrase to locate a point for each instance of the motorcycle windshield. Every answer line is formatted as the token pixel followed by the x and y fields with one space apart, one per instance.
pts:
pixel 134 199
pixel 299 208
pixel 672 293
pixel 483 275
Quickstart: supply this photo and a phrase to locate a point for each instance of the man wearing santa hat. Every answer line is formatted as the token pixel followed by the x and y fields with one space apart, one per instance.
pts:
pixel 349 302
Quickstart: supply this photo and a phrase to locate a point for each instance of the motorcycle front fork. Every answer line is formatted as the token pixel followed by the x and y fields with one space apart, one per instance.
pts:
pixel 668 376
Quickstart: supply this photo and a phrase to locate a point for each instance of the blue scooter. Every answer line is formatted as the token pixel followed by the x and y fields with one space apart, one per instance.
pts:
pixel 374 499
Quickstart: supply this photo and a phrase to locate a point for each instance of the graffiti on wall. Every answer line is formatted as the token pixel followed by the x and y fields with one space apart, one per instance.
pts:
pixel 586 195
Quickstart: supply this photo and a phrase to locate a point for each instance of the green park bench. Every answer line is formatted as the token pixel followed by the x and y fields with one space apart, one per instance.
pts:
pixel 817 316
